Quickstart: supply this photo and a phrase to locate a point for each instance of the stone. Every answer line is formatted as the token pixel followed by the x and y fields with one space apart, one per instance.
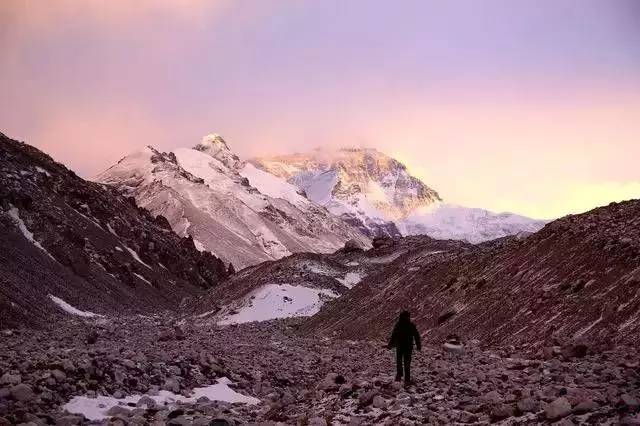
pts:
pixel 92 337
pixel 492 397
pixel 10 379
pixel 528 405
pixel 501 411
pixel 585 406
pixel 379 402
pixel 629 402
pixel 70 420
pixel 22 392
pixel 557 409
pixel 366 398
pixel 118 411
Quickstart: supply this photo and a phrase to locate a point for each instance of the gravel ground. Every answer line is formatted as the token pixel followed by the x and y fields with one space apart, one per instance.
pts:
pixel 299 380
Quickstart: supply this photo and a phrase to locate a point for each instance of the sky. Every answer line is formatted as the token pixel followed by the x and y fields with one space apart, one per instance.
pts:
pixel 528 106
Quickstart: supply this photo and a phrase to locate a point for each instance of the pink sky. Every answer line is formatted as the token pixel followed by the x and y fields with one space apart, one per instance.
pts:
pixel 532 109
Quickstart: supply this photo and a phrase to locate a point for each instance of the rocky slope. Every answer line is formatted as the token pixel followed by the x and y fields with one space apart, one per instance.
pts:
pixel 298 285
pixel 144 371
pixel 72 247
pixel 241 214
pixel 377 193
pixel 578 278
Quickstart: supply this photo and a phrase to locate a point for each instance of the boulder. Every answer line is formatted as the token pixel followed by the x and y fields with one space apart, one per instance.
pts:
pixel 352 246
pixel 528 405
pixel 22 392
pixel 501 412
pixel 379 402
pixel 10 379
pixel 558 409
pixel 629 402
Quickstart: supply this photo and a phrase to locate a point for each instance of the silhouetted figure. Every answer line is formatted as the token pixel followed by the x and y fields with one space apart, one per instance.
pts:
pixel 403 336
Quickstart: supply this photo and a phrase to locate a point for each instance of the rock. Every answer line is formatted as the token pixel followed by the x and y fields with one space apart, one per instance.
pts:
pixel 528 405
pixel 629 402
pixel 352 246
pixel 585 407
pixel 10 379
pixel 92 337
pixel 492 397
pixel 467 417
pixel 501 411
pixel 570 351
pixel 558 409
pixel 457 349
pixel 366 398
pixel 22 392
pixel 171 384
pixel 129 363
pixel 178 332
pixel 548 352
pixel 118 411
pixel 379 402
pixel 58 375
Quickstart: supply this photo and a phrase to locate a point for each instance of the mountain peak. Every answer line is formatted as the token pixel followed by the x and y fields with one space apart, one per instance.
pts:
pixel 214 145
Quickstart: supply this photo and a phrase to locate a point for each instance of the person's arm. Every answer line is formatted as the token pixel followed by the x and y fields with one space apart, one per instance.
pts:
pixel 416 336
pixel 392 340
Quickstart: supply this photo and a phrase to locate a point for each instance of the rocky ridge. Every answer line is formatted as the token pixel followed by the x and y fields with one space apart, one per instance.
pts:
pixel 337 272
pixel 576 279
pixel 73 247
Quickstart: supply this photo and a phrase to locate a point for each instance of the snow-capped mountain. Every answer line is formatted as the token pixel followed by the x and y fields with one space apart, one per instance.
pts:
pixel 378 194
pixel 241 214
pixel 363 186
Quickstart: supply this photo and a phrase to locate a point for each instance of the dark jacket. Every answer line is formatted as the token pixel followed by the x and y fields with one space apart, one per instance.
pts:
pixel 404 335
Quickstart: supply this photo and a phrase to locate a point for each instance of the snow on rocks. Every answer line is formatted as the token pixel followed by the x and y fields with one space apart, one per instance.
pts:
pixel 72 310
pixel 103 407
pixel 14 214
pixel 278 301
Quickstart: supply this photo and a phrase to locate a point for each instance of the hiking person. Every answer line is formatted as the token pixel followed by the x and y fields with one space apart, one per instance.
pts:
pixel 403 337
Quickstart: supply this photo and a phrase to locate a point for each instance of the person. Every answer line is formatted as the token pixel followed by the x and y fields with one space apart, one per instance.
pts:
pixel 402 338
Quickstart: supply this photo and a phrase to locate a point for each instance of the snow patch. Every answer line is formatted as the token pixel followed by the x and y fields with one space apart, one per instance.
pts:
pixel 72 310
pixel 14 213
pixel 136 257
pixel 142 278
pixel 41 170
pixel 96 408
pixel 350 279
pixel 279 301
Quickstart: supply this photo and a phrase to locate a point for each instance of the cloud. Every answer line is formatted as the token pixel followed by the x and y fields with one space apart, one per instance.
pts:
pixel 89 138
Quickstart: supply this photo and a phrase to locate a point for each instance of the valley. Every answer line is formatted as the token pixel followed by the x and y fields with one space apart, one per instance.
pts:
pixel 191 287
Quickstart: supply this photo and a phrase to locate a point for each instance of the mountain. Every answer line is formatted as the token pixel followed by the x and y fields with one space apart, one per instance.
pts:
pixel 241 214
pixel 378 194
pixel 298 285
pixel 577 278
pixel 73 248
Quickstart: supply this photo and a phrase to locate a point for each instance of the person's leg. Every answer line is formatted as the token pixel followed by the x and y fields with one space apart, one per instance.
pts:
pixel 398 365
pixel 407 366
